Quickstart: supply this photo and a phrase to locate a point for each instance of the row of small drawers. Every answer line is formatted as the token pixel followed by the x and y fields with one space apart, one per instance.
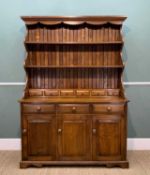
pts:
pixel 69 92
pixel 72 108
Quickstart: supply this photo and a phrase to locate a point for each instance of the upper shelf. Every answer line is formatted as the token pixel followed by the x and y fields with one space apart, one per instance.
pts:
pixel 74 43
pixel 75 66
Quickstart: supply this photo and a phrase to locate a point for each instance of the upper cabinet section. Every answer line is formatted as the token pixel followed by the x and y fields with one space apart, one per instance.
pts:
pixel 75 53
pixel 74 30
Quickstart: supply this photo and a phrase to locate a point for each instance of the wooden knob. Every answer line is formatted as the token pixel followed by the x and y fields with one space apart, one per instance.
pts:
pixel 94 131
pixel 74 109
pixel 24 131
pixel 38 108
pixel 109 108
pixel 37 37
pixel 59 130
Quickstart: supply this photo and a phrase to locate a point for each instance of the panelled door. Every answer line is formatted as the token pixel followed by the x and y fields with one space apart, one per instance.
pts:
pixel 39 137
pixel 74 135
pixel 107 137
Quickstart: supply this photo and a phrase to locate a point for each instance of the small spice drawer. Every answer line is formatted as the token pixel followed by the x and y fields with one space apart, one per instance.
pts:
pixel 82 92
pixel 51 92
pixel 107 108
pixel 73 108
pixel 38 108
pixel 66 92
pixel 34 92
pixel 98 92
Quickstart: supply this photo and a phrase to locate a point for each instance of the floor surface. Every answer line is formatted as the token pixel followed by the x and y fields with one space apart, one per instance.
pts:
pixel 139 165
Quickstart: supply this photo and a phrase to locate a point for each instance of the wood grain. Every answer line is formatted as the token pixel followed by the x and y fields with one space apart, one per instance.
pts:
pixel 74 111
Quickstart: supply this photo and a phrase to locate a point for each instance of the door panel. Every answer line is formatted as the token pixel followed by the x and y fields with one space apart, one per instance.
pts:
pixel 74 133
pixel 40 137
pixel 107 137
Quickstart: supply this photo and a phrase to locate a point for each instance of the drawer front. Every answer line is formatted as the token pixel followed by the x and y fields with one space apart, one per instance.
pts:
pixel 73 108
pixel 67 92
pixel 33 92
pixel 113 92
pixel 98 92
pixel 83 92
pixel 41 108
pixel 100 108
pixel 51 93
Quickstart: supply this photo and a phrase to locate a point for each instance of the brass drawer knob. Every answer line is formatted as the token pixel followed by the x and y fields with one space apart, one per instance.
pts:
pixel 94 131
pixel 38 108
pixel 109 109
pixel 74 109
pixel 59 130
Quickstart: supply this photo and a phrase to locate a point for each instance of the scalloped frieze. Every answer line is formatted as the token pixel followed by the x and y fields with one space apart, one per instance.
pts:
pixel 74 23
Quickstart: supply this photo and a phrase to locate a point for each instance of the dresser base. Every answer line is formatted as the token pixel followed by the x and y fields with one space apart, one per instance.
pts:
pixel 108 164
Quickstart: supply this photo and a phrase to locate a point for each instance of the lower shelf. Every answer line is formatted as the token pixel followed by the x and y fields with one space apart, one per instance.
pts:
pixel 109 164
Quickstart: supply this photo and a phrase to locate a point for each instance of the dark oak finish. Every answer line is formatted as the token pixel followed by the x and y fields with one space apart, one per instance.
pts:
pixel 39 134
pixel 106 132
pixel 74 111
pixel 74 135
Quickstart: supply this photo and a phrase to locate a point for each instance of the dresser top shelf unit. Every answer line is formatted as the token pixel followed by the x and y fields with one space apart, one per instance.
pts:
pixel 66 55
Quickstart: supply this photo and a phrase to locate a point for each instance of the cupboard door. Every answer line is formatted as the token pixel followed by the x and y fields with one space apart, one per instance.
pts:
pixel 74 134
pixel 107 137
pixel 39 137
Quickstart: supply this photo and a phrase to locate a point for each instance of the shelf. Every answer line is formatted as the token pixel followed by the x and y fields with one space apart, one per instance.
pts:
pixel 101 66
pixel 105 99
pixel 74 43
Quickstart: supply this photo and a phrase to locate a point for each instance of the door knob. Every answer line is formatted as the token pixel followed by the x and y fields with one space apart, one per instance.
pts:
pixel 59 130
pixel 24 131
pixel 94 131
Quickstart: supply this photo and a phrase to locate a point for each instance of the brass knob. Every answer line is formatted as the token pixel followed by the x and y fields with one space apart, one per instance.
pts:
pixel 109 109
pixel 38 108
pixel 94 131
pixel 74 109
pixel 59 130
pixel 24 131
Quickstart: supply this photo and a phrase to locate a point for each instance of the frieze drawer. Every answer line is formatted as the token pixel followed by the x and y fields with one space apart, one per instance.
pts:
pixel 106 108
pixel 73 108
pixel 41 108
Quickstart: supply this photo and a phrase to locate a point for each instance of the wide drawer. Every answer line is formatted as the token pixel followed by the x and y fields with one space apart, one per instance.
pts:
pixel 106 108
pixel 40 108
pixel 73 108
